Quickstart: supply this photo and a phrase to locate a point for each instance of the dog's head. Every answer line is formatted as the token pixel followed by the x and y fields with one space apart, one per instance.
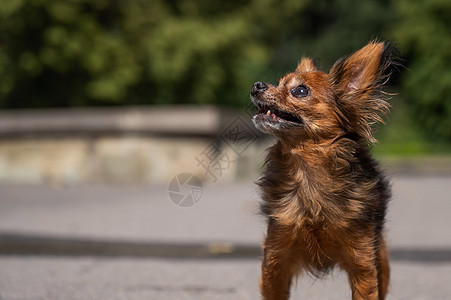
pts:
pixel 310 104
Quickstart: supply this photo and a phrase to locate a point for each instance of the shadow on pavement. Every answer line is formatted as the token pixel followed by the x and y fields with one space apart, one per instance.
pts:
pixel 14 244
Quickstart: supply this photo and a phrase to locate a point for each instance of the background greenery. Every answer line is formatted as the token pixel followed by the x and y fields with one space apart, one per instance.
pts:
pixel 68 53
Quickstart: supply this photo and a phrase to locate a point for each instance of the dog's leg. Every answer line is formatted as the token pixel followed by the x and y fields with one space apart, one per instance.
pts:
pixel 383 270
pixel 362 271
pixel 275 280
pixel 277 266
pixel 363 282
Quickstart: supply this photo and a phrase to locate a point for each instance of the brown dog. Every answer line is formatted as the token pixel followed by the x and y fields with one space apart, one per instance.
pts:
pixel 323 194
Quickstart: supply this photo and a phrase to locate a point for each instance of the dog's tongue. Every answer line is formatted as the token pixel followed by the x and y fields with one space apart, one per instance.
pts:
pixel 268 112
pixel 273 115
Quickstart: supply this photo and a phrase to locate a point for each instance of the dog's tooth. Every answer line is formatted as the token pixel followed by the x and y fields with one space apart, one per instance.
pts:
pixel 268 112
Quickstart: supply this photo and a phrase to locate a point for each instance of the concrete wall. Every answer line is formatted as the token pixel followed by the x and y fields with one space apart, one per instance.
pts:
pixel 126 159
pixel 133 145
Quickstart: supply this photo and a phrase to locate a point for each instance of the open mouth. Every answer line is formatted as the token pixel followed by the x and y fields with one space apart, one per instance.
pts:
pixel 268 113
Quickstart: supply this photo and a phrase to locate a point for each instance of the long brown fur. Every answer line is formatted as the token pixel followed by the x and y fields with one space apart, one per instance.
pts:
pixel 324 196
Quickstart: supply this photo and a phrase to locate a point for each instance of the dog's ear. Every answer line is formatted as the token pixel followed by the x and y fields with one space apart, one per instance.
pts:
pixel 357 81
pixel 306 65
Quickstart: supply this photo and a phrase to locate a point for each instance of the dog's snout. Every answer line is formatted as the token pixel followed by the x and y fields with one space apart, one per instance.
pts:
pixel 258 87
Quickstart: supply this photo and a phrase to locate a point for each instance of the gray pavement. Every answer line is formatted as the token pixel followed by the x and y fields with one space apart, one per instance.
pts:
pixel 42 278
pixel 134 243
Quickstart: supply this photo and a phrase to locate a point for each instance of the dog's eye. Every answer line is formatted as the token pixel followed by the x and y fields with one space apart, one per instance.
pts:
pixel 300 91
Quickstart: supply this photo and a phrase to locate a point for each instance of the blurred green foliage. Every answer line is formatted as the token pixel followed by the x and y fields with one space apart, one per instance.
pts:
pixel 113 52
pixel 424 31
pixel 94 52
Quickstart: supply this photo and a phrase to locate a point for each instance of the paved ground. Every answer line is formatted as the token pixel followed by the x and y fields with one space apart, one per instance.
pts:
pixel 134 243
pixel 128 278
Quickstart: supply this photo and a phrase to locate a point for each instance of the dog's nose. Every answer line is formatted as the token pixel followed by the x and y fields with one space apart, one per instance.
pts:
pixel 258 87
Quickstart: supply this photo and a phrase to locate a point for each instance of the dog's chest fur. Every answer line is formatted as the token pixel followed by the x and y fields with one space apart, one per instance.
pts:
pixel 314 202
